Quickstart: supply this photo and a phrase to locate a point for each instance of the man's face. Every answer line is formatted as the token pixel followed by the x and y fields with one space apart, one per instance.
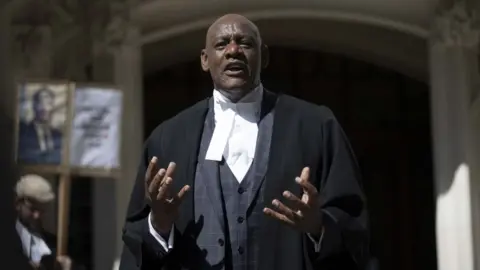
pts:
pixel 233 55
pixel 30 213
pixel 43 106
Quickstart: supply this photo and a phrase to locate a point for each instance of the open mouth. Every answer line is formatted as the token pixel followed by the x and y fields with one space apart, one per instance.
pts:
pixel 235 69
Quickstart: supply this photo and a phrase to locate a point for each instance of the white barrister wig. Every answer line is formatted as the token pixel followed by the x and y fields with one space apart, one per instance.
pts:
pixel 34 187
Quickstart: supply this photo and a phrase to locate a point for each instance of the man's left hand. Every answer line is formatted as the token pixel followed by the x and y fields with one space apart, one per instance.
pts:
pixel 305 214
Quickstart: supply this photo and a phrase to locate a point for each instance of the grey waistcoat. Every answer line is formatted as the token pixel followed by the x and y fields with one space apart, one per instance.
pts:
pixel 229 213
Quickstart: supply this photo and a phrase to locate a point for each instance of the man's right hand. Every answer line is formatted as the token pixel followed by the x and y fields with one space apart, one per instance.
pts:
pixel 164 205
pixel 65 262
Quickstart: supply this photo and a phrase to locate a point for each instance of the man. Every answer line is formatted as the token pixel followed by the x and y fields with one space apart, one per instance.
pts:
pixel 33 194
pixel 39 142
pixel 209 189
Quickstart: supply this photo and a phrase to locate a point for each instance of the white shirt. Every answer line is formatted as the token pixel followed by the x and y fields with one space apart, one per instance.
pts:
pixel 235 139
pixel 44 136
pixel 236 131
pixel 33 246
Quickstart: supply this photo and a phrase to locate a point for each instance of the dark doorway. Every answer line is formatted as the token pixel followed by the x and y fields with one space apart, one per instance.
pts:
pixel 386 117
pixel 80 229
pixel 80 220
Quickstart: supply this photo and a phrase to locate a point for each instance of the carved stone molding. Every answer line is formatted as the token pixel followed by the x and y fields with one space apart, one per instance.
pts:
pixel 79 30
pixel 40 31
pixel 112 30
pixel 458 26
pixel 31 50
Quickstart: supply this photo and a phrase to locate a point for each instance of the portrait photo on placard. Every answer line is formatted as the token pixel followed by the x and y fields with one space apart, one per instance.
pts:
pixel 42 111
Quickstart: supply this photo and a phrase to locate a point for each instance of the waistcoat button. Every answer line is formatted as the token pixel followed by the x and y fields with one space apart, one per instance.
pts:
pixel 240 219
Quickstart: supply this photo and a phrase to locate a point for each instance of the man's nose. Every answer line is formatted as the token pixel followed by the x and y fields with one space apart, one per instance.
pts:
pixel 233 50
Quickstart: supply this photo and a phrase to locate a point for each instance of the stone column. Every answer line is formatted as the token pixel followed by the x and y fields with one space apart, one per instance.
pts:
pixel 6 72
pixel 476 171
pixel 128 76
pixel 117 60
pixel 454 75
pixel 104 212
pixel 7 99
pixel 124 69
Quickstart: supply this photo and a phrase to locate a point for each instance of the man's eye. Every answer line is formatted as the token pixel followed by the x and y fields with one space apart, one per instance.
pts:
pixel 220 45
pixel 246 43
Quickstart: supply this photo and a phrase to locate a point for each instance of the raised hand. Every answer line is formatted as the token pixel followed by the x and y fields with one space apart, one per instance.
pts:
pixel 305 214
pixel 163 203
pixel 65 262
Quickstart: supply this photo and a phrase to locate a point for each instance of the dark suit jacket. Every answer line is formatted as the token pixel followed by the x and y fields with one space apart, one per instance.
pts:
pixel 49 262
pixel 29 148
pixel 304 134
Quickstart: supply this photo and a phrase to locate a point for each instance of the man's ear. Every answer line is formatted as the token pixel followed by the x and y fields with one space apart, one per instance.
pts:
pixel 204 60
pixel 265 56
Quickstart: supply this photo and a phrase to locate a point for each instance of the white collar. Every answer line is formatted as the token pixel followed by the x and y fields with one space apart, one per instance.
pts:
pixel 225 111
pixel 248 107
pixel 254 96
pixel 34 251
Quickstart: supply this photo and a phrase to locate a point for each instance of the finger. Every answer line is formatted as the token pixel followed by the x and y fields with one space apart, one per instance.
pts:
pixel 177 200
pixel 274 214
pixel 150 171
pixel 307 187
pixel 296 202
pixel 155 184
pixel 169 173
pixel 285 210
pixel 170 169
pixel 305 175
pixel 163 191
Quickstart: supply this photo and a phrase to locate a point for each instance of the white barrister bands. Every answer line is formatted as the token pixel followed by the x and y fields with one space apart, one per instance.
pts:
pixel 236 130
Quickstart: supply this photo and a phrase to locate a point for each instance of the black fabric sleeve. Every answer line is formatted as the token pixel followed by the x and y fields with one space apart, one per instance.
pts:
pixel 141 250
pixel 346 238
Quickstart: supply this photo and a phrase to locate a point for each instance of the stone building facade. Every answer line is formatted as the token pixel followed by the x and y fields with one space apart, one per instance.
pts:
pixel 401 75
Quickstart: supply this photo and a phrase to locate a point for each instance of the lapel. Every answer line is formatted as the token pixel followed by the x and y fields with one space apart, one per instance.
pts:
pixel 210 170
pixel 262 153
pixel 284 160
pixel 187 157
pixel 285 155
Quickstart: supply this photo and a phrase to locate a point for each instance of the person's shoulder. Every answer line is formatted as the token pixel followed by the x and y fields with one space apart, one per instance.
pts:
pixel 25 125
pixel 305 109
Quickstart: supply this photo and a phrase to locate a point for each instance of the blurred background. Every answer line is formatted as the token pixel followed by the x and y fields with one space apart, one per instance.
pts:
pixel 402 77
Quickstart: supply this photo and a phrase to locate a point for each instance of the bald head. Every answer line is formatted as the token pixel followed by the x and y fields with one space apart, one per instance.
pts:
pixel 234 55
pixel 229 19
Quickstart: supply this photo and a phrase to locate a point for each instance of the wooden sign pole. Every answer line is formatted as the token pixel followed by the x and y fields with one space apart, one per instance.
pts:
pixel 64 184
pixel 63 214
